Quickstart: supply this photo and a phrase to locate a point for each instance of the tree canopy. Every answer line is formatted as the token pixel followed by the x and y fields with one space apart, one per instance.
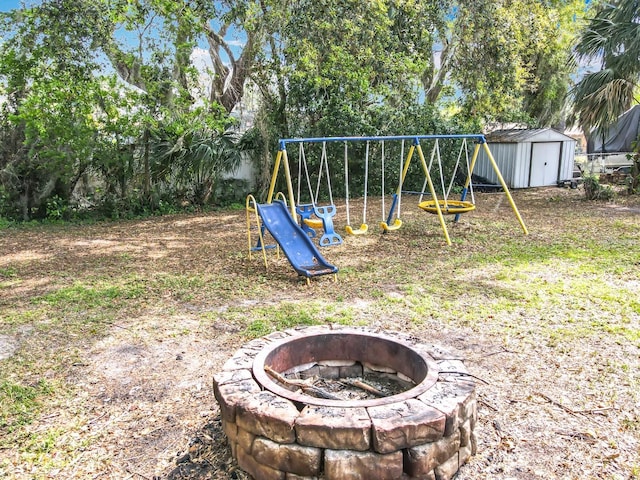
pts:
pixel 612 36
pixel 107 100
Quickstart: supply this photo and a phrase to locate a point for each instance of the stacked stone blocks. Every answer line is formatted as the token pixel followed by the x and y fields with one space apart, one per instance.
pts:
pixel 424 438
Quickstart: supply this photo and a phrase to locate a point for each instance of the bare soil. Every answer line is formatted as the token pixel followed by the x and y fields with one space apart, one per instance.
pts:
pixel 141 402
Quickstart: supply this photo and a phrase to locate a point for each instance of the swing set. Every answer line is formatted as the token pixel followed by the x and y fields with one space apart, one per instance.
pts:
pixel 364 227
pixel 314 216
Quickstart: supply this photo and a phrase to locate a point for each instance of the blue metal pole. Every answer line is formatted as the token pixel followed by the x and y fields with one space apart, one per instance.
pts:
pixel 479 137
pixel 462 199
pixel 394 202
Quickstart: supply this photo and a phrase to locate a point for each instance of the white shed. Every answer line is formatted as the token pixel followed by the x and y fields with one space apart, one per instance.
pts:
pixel 528 158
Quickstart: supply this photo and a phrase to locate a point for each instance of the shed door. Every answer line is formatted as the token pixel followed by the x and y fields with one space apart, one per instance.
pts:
pixel 545 162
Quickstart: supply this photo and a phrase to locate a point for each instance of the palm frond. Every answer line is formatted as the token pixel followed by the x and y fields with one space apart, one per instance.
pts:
pixel 598 99
pixel 613 34
pixel 595 38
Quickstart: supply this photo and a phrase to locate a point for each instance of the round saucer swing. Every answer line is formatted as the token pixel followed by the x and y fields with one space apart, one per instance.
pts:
pixel 447 207
pixel 444 205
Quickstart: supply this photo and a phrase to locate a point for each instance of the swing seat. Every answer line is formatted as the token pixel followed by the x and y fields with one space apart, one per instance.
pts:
pixel 390 228
pixel 313 222
pixel 307 223
pixel 448 207
pixel 358 231
pixel 330 237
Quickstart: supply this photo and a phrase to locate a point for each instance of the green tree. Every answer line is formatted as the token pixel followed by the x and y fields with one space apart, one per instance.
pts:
pixel 65 116
pixel 165 32
pixel 192 159
pixel 342 63
pixel 511 60
pixel 610 35
pixel 47 128
pixel 345 62
pixel 322 67
pixel 159 64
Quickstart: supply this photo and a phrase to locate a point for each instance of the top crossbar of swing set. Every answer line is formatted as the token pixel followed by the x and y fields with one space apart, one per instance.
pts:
pixel 480 140
pixel 416 138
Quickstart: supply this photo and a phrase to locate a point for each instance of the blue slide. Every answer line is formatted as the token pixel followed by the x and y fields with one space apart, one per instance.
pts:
pixel 296 245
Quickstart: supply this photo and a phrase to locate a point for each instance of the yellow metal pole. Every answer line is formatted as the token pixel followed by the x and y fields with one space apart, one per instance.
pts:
pixel 254 209
pixel 274 176
pixel 287 173
pixel 284 158
pixel 474 158
pixel 248 212
pixel 406 167
pixel 432 190
pixel 264 247
pixel 504 187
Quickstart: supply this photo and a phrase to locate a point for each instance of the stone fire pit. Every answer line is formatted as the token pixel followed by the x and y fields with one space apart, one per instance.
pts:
pixel 278 430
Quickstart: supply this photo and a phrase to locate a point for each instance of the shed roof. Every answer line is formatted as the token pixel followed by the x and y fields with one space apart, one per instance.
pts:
pixel 517 135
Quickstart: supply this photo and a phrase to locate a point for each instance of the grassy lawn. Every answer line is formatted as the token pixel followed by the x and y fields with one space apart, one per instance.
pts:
pixel 110 333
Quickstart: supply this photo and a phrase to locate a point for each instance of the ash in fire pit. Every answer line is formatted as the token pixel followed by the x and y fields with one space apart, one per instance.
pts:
pixel 343 380
pixel 322 403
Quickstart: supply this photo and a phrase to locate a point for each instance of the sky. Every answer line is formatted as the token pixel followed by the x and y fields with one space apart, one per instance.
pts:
pixel 6 5
pixel 200 56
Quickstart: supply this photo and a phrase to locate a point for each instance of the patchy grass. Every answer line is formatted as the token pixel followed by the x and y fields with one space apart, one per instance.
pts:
pixel 110 333
pixel 90 297
pixel 19 404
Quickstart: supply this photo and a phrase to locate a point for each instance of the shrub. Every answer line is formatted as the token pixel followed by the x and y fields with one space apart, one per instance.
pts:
pixel 58 209
pixel 595 191
pixel 633 186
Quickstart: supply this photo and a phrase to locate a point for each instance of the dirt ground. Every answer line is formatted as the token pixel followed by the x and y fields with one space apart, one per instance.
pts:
pixel 142 405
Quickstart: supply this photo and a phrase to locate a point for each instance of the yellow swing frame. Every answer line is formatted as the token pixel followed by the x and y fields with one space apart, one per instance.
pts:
pixel 283 159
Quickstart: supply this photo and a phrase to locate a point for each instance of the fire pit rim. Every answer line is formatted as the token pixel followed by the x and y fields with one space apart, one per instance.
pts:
pixel 261 376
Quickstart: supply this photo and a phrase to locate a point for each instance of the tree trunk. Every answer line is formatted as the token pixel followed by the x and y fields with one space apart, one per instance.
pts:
pixel 435 81
pixel 227 85
pixel 147 166
pixel 26 202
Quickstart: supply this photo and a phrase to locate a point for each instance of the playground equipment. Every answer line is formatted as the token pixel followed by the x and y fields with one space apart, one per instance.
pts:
pixel 301 252
pixel 324 214
pixel 386 225
pixel 449 206
pixel 435 205
pixel 363 227
pixel 278 215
